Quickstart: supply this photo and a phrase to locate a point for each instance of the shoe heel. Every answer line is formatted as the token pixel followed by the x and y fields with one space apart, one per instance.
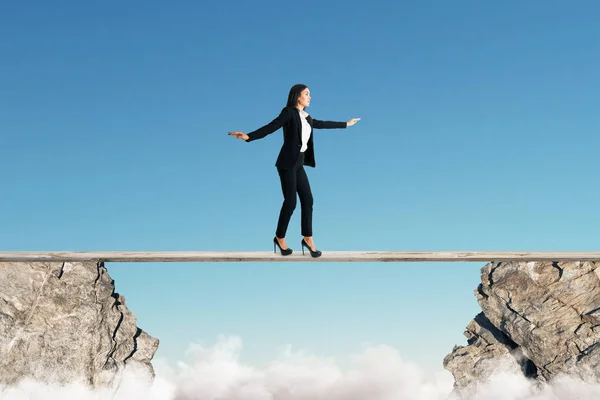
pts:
pixel 314 254
pixel 285 252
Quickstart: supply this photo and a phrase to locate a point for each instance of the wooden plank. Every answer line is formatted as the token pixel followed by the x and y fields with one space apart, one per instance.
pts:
pixel 328 256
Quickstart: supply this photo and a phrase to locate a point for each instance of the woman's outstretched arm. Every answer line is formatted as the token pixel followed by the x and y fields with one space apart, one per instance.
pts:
pixel 263 131
pixel 318 124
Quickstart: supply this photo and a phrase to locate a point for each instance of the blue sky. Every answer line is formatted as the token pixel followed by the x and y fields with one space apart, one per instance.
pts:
pixel 479 131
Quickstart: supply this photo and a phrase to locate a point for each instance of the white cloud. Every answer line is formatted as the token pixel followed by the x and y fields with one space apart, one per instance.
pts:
pixel 378 373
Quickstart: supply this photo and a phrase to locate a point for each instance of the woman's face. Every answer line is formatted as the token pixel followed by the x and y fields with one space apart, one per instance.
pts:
pixel 304 98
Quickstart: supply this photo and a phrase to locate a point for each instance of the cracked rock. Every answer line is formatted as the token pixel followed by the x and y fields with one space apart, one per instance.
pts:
pixel 63 323
pixel 539 319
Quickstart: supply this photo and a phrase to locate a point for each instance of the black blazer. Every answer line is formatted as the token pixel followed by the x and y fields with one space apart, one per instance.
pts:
pixel 289 119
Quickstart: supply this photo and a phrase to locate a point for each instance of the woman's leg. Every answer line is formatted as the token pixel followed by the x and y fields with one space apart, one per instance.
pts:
pixel 288 188
pixel 306 202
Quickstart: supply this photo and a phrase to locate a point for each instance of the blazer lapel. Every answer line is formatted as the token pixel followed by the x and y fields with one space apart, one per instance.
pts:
pixel 298 124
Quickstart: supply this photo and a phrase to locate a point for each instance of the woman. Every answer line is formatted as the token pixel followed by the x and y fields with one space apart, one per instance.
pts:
pixel 297 150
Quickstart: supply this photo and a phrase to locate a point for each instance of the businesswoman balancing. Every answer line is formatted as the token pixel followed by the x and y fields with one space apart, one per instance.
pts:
pixel 297 150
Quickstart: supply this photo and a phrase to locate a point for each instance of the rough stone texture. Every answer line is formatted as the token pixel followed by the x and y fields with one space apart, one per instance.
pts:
pixel 489 351
pixel 541 319
pixel 63 323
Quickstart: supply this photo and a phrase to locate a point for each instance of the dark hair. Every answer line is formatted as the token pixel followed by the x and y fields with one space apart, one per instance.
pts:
pixel 294 94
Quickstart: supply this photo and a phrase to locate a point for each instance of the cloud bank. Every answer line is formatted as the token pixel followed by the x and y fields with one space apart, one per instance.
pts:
pixel 379 373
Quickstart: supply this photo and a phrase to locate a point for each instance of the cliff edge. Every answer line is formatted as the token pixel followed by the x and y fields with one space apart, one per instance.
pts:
pixel 62 322
pixel 539 319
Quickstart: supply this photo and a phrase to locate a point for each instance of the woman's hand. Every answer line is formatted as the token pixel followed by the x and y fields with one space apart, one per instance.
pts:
pixel 352 121
pixel 239 135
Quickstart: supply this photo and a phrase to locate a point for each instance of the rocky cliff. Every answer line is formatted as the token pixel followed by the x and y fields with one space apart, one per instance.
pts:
pixel 539 319
pixel 63 323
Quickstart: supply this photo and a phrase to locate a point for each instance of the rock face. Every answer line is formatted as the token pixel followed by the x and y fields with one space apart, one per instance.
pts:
pixel 539 319
pixel 63 323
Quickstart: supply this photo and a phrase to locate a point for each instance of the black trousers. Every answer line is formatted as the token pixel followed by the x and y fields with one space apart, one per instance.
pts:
pixel 295 181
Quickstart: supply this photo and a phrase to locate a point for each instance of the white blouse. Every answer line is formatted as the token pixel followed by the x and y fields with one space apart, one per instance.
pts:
pixel 305 130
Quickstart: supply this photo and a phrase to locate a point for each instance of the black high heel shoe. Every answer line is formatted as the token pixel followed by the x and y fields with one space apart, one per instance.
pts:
pixel 284 252
pixel 314 254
